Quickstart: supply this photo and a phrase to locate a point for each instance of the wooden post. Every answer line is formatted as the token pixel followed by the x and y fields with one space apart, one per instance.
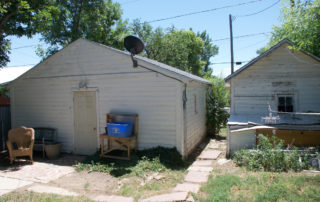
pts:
pixel 231 43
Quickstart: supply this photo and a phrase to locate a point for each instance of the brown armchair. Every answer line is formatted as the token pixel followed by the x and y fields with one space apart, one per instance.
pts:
pixel 20 142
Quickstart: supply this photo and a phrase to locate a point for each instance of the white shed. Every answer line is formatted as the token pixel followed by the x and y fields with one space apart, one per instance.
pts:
pixel 280 89
pixel 74 89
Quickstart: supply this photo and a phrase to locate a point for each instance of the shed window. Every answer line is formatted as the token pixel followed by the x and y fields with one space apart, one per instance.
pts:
pixel 285 104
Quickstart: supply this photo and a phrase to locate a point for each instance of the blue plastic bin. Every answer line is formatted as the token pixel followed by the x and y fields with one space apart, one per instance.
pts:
pixel 117 129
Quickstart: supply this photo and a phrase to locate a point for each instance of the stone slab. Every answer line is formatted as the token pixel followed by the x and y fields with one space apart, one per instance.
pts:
pixel 188 187
pixel 223 161
pixel 175 196
pixel 202 163
pixel 9 184
pixel 113 198
pixel 200 168
pixel 190 199
pixel 51 190
pixel 210 154
pixel 196 177
pixel 37 172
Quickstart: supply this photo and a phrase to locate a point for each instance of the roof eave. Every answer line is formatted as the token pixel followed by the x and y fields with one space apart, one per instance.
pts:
pixel 229 77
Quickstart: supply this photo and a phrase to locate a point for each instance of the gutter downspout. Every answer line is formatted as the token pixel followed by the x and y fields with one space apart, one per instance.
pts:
pixel 184 139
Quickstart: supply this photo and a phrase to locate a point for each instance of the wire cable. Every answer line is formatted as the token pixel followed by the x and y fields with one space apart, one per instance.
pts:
pixel 251 14
pixel 23 47
pixel 242 36
pixel 204 11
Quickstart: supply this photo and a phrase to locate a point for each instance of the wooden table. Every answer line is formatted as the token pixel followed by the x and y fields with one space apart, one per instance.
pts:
pixel 124 142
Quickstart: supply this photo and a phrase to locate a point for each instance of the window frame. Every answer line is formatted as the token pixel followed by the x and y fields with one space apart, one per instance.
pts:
pixel 286 106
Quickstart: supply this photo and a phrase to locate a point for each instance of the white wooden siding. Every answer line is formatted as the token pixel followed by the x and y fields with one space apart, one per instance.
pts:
pixel 195 120
pixel 43 96
pixel 277 73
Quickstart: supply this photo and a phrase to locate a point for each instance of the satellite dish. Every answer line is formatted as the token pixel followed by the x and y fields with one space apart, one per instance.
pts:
pixel 135 46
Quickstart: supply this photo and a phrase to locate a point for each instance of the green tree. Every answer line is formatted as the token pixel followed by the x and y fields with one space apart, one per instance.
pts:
pixel 96 20
pixel 21 18
pixel 209 50
pixel 217 100
pixel 182 49
pixel 300 24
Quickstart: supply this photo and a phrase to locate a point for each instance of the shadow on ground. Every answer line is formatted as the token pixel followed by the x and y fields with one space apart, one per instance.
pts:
pixel 141 161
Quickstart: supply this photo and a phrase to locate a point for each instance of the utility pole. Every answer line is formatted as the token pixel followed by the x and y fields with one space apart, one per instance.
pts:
pixel 231 43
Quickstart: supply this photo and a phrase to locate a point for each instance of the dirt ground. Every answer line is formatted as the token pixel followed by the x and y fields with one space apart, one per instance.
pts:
pixel 88 184
pixel 93 183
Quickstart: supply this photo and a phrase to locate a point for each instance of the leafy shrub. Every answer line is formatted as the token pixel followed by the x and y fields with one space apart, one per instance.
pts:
pixel 270 156
pixel 217 99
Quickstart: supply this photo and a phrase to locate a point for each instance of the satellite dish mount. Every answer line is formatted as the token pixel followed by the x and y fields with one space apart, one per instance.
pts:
pixel 135 46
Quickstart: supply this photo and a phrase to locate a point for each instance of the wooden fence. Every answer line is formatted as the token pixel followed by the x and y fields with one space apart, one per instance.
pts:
pixel 5 125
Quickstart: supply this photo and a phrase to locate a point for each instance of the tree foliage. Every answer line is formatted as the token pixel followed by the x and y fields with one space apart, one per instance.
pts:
pixel 96 20
pixel 182 49
pixel 301 25
pixel 21 18
pixel 209 50
pixel 217 100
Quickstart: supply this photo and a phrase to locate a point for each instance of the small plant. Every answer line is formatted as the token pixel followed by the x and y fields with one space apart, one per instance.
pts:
pixel 270 156
pixel 86 185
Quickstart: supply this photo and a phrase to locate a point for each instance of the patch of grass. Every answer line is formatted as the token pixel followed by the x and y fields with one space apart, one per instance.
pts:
pixel 261 187
pixel 137 188
pixel 36 197
pixel 151 160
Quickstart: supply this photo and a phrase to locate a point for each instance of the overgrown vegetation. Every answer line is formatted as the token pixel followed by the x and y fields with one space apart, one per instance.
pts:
pixel 270 156
pixel 143 162
pixel 217 100
pixel 262 187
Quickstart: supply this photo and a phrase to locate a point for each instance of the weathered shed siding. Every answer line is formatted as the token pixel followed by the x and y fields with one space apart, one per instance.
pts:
pixel 279 73
pixel 195 115
pixel 43 96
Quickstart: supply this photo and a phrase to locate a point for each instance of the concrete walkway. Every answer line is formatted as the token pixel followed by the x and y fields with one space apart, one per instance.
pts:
pixel 21 173
pixel 197 175
pixel 9 184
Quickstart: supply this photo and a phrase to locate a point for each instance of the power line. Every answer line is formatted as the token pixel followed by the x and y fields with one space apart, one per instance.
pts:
pixel 251 14
pixel 20 65
pixel 243 36
pixel 214 63
pixel 23 47
pixel 204 11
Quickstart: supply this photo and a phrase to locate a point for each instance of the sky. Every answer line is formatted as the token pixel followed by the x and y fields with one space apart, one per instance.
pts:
pixel 252 21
